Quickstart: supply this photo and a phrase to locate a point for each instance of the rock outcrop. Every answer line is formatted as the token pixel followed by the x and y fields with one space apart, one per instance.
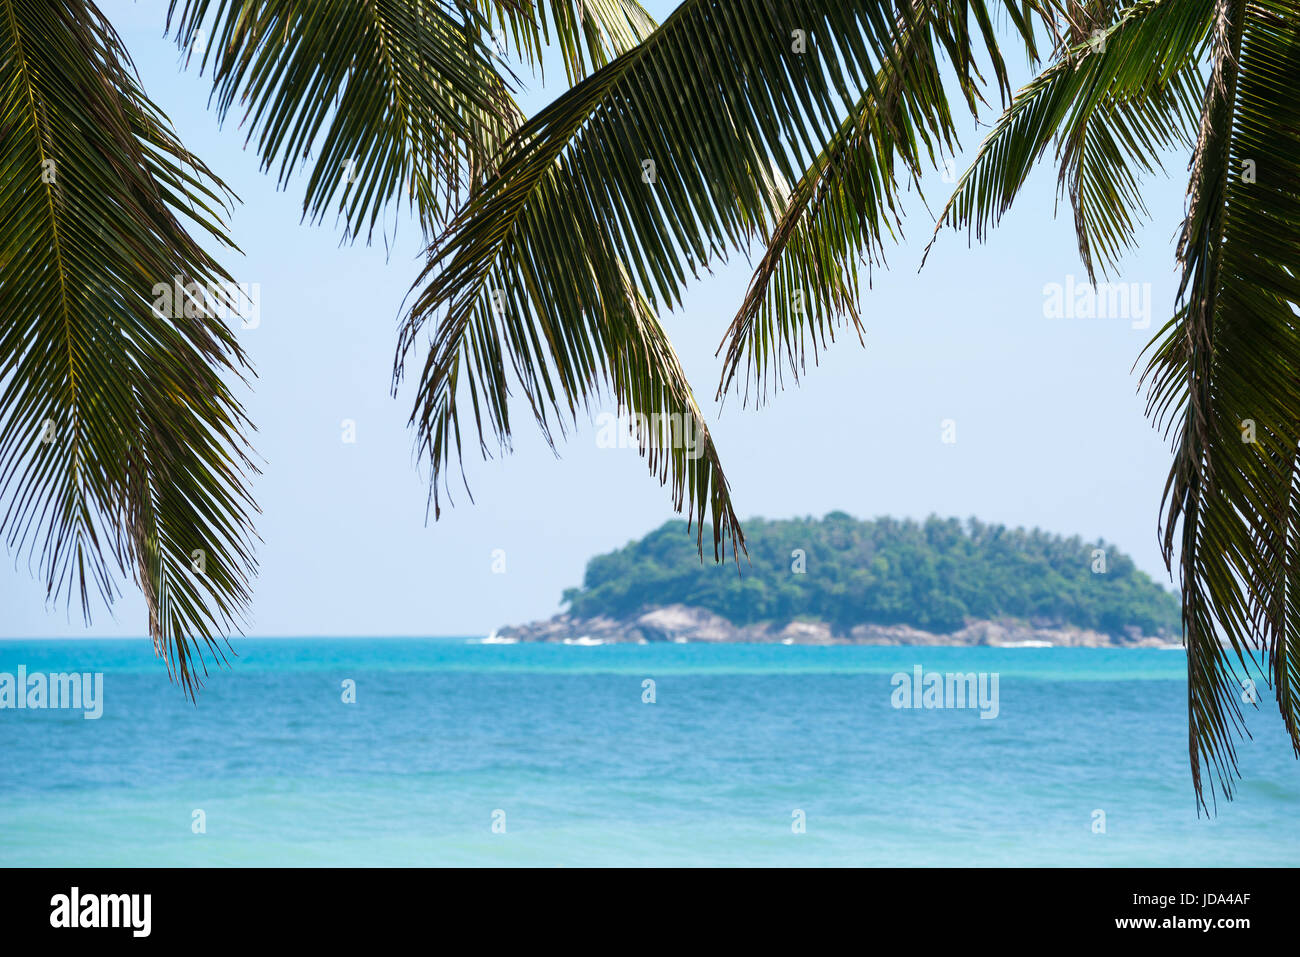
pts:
pixel 679 623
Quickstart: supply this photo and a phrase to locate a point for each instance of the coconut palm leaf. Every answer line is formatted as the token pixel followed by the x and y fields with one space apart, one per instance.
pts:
pixel 393 97
pixel 1223 368
pixel 1225 377
pixel 846 205
pixel 561 369
pixel 1118 97
pixel 121 448
pixel 662 161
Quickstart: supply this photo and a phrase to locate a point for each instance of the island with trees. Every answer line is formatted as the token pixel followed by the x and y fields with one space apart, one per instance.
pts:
pixel 841 580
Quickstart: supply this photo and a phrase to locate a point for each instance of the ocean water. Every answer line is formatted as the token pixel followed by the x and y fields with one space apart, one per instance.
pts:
pixel 556 743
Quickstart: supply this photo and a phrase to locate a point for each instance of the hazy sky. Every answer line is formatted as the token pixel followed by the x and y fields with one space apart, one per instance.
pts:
pixel 1050 425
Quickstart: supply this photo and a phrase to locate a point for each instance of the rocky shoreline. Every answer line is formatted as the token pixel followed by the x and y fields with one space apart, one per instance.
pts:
pixel 681 624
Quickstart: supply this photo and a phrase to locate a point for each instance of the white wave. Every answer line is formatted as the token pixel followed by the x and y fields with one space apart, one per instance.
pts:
pixel 586 641
pixel 495 639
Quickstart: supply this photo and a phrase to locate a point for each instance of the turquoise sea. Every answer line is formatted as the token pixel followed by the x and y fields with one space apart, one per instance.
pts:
pixel 556 745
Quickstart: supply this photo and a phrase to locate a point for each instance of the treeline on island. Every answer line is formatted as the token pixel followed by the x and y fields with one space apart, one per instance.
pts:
pixel 933 575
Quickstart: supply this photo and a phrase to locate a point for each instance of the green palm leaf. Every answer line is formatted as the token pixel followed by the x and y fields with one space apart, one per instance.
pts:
pixel 1118 97
pixel 561 367
pixel 120 440
pixel 669 153
pixel 846 204
pixel 393 98
pixel 1224 377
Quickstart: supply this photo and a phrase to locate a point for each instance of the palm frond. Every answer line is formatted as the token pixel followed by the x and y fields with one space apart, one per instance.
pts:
pixel 393 98
pixel 846 204
pixel 1118 96
pixel 120 439
pixel 660 162
pixel 562 368
pixel 1225 374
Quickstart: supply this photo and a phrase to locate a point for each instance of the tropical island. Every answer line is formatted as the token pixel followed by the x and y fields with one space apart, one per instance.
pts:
pixel 841 580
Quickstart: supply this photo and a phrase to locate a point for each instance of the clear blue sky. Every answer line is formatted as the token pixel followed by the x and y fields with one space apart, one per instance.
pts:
pixel 1050 426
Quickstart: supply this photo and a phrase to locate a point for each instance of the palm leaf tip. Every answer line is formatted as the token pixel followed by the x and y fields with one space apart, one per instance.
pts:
pixel 497 334
pixel 1109 109
pixel 846 206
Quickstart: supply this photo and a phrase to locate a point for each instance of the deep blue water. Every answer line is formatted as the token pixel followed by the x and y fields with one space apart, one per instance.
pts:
pixel 446 733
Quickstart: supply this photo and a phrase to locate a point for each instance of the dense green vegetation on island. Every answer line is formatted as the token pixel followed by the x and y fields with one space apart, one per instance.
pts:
pixel 932 575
